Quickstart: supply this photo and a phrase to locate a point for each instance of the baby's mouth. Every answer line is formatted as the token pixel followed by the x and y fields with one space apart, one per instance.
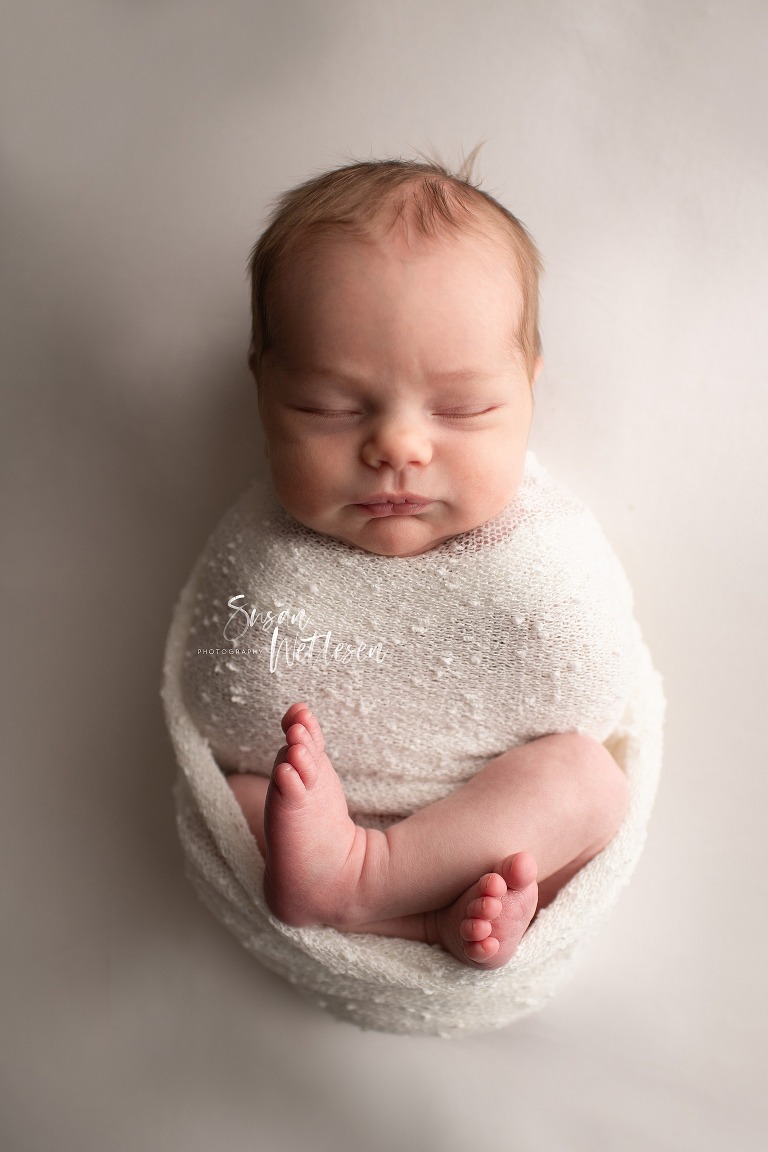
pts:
pixel 383 505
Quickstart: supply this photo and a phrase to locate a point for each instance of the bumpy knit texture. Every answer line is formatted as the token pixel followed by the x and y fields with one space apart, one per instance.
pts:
pixel 420 670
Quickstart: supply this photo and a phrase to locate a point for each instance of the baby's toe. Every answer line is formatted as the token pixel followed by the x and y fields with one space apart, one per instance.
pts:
pixel 289 717
pixel 485 907
pixel 492 884
pixel 519 870
pixel 307 717
pixel 280 758
pixel 289 784
pixel 304 761
pixel 481 950
pixel 474 929
pixel 297 733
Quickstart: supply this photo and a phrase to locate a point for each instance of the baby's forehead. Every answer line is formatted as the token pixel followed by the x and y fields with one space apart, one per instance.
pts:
pixel 450 301
pixel 317 248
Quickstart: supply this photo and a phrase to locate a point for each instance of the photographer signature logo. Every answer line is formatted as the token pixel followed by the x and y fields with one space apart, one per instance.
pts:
pixel 294 638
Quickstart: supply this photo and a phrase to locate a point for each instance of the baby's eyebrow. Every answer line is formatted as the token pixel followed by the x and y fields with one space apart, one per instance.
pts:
pixel 462 376
pixel 449 376
pixel 333 376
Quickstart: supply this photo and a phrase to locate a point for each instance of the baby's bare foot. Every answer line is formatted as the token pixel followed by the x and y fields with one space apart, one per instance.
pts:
pixel 314 851
pixel 485 925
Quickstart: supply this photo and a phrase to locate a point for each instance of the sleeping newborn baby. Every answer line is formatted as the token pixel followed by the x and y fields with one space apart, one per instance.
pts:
pixel 442 633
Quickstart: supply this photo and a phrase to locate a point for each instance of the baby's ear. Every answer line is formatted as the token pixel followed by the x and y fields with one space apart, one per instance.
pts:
pixel 538 364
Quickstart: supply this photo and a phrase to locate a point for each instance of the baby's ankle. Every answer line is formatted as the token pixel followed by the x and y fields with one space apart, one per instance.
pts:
pixel 351 896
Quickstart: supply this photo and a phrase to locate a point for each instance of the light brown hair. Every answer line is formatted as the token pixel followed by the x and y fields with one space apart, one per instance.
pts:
pixel 421 195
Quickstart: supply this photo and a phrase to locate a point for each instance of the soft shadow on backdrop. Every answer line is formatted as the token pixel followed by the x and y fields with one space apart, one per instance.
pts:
pixel 142 145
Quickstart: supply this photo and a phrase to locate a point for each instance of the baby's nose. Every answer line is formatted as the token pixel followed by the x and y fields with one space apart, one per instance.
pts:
pixel 397 444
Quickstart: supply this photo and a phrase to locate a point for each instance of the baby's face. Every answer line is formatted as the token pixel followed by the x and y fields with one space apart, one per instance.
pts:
pixel 395 407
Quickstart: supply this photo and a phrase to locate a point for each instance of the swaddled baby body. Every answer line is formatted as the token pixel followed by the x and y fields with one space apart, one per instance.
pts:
pixel 444 637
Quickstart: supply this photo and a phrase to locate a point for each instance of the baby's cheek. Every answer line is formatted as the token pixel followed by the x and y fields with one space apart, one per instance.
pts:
pixel 291 476
pixel 490 480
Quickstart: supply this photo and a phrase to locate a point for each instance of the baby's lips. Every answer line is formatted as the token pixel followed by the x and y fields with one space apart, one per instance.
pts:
pixel 395 508
pixel 394 498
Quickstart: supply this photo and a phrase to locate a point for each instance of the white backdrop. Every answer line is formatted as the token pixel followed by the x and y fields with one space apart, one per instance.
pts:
pixel 142 144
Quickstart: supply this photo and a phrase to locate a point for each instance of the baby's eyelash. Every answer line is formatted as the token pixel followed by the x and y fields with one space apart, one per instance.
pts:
pixel 463 415
pixel 329 411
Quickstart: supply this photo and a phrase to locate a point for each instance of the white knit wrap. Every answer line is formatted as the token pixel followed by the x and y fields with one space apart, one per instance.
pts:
pixel 420 670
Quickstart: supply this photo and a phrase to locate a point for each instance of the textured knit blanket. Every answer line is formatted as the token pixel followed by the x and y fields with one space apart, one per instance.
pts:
pixel 517 629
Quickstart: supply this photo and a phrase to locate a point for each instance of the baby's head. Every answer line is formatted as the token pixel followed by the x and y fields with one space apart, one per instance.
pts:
pixel 395 346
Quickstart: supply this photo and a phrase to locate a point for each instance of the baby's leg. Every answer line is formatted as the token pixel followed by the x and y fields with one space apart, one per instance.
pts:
pixel 481 927
pixel 485 924
pixel 251 793
pixel 561 798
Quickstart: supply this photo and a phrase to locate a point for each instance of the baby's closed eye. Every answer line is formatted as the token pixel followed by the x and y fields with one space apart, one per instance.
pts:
pixel 330 412
pixel 465 413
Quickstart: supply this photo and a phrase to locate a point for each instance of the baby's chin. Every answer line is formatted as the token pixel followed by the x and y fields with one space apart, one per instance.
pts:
pixel 396 536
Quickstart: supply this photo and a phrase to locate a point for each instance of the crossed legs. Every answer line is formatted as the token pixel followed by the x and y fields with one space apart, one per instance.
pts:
pixel 467 872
